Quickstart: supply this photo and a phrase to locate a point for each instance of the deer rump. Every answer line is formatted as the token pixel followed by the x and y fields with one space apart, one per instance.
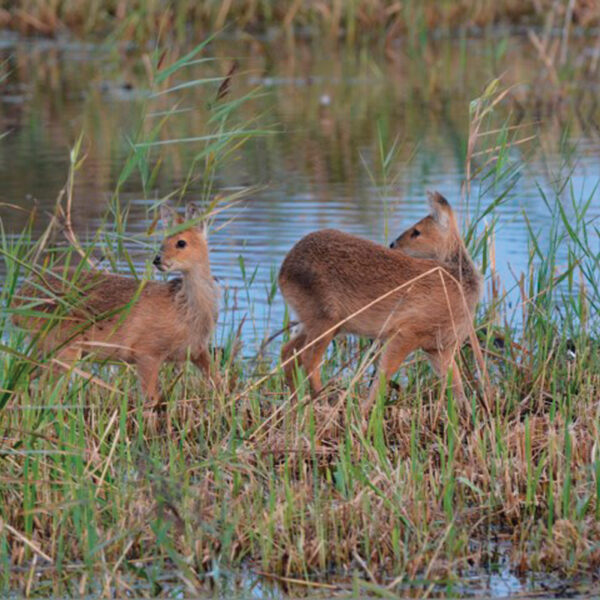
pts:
pixel 328 276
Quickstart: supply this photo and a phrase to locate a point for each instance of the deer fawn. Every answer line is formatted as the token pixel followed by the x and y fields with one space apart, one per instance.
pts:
pixel 419 293
pixel 117 317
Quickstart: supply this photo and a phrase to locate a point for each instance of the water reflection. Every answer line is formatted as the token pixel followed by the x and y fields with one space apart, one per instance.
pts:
pixel 332 111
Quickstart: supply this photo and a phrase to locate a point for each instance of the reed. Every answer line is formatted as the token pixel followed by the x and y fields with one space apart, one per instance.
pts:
pixel 138 20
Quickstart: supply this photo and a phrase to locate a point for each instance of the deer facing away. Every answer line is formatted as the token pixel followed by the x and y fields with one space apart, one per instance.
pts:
pixel 421 292
pixel 117 317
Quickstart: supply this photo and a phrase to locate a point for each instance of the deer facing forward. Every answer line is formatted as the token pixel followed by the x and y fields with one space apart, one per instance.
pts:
pixel 117 317
pixel 421 292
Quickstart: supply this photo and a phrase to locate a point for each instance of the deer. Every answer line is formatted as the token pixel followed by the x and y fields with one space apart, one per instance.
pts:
pixel 79 311
pixel 420 293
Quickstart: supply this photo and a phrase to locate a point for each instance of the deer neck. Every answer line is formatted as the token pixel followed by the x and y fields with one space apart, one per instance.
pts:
pixel 459 261
pixel 198 293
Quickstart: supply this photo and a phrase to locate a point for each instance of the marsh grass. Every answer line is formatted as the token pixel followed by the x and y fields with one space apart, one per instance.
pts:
pixel 139 21
pixel 99 497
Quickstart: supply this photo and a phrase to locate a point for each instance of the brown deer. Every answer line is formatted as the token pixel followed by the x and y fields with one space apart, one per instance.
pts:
pixel 421 292
pixel 146 323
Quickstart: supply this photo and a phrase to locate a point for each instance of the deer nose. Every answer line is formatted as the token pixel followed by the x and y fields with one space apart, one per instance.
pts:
pixel 393 245
pixel 156 261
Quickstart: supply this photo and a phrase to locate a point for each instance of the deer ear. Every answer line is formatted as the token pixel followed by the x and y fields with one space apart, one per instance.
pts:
pixel 440 209
pixel 193 213
pixel 168 215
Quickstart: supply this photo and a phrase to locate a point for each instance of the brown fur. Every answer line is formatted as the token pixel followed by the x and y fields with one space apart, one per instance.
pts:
pixel 328 276
pixel 117 317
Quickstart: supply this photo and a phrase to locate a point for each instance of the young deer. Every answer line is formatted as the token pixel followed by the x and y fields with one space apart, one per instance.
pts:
pixel 419 293
pixel 117 317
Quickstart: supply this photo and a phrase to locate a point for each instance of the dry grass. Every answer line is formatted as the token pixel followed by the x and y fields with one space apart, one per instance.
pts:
pixel 140 20
pixel 93 487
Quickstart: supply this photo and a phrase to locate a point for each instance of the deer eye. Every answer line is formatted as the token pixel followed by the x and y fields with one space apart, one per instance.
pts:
pixel 415 233
pixel 181 244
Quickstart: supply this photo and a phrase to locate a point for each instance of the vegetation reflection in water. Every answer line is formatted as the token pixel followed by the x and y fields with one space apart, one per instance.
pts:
pixel 320 168
pixel 293 489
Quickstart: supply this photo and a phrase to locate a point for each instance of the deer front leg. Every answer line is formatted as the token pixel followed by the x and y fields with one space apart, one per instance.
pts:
pixel 147 368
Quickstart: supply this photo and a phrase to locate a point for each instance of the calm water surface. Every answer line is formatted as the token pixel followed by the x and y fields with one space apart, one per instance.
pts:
pixel 320 168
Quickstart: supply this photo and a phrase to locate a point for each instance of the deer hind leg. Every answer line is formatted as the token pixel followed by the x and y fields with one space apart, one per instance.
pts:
pixel 392 357
pixel 309 345
pixel 287 358
pixel 317 340
pixel 441 361
pixel 64 360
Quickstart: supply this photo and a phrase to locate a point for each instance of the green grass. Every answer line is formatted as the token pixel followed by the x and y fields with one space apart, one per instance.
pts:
pixel 99 496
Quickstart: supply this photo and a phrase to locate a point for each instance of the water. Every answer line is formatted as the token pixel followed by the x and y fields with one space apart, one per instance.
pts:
pixel 321 167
